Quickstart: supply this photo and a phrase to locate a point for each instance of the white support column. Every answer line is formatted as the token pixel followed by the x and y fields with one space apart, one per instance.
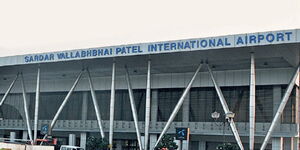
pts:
pixel 8 90
pixel 96 106
pixel 202 145
pixel 252 104
pixel 26 109
pixel 178 105
pixel 72 139
pixel 153 140
pixel 12 136
pixel 226 110
pixel 36 110
pixel 296 142
pixel 83 140
pixel 277 144
pixel 148 105
pixel 133 109
pixel 281 108
pixel 65 101
pixel 25 135
pixel 112 106
pixel 61 107
pixel 143 141
pixel 185 145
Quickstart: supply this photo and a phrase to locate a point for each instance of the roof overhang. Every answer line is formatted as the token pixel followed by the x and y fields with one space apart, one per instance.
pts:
pixel 270 41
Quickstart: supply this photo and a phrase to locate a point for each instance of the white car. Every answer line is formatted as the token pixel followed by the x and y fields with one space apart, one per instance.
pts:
pixel 68 147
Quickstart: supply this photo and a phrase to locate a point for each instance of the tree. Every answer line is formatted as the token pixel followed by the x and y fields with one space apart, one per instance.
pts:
pixel 227 146
pixel 166 142
pixel 94 143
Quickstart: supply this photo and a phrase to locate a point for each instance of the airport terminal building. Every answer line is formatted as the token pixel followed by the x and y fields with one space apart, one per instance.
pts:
pixel 132 94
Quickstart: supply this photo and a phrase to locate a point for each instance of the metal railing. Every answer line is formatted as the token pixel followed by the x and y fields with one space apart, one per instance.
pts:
pixel 203 128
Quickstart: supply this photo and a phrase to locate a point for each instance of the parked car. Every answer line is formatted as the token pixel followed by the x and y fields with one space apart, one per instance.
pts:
pixel 68 147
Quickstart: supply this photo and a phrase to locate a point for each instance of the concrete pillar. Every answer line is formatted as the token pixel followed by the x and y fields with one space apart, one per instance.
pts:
pixel 25 135
pixel 83 140
pixel 154 105
pixel 84 106
pixel 153 139
pixel 185 145
pixel 277 143
pixel 287 143
pixel 178 143
pixel 295 143
pixel 1 136
pixel 202 145
pixel 186 108
pixel 12 136
pixel 72 139
pixel 118 145
pixel 143 140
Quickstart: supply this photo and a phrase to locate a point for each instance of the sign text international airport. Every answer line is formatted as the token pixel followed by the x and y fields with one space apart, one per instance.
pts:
pixel 231 41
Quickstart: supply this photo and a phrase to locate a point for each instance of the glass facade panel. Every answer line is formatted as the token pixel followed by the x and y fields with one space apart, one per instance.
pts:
pixel 167 100
pixel 122 105
pixel 50 102
pixel 204 101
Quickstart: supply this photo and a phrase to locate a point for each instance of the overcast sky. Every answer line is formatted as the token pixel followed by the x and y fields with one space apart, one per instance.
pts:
pixel 35 26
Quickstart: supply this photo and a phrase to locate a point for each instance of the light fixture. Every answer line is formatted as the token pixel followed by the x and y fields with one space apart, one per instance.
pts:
pixel 229 115
pixel 215 115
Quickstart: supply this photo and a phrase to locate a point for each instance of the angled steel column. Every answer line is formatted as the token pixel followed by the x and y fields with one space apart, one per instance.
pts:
pixel 36 111
pixel 178 105
pixel 112 105
pixel 8 90
pixel 26 109
pixel 226 109
pixel 95 104
pixel 64 102
pixel 280 109
pixel 148 104
pixel 133 109
pixel 252 104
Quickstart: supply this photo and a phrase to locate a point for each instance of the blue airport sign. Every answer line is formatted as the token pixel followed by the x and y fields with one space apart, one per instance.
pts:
pixel 230 41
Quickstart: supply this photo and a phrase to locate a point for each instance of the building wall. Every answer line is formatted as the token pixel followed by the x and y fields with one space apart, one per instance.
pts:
pixel 203 101
pixel 59 81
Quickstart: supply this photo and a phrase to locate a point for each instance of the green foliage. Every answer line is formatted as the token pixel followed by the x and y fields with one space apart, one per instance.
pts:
pixel 167 142
pixel 228 146
pixel 94 143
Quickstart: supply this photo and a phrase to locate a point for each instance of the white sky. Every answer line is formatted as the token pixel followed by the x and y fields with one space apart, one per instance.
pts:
pixel 35 26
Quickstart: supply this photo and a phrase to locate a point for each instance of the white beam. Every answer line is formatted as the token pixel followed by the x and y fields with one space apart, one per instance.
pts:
pixel 226 110
pixel 252 104
pixel 26 109
pixel 97 111
pixel 178 106
pixel 112 105
pixel 8 90
pixel 36 110
pixel 280 109
pixel 148 104
pixel 133 109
